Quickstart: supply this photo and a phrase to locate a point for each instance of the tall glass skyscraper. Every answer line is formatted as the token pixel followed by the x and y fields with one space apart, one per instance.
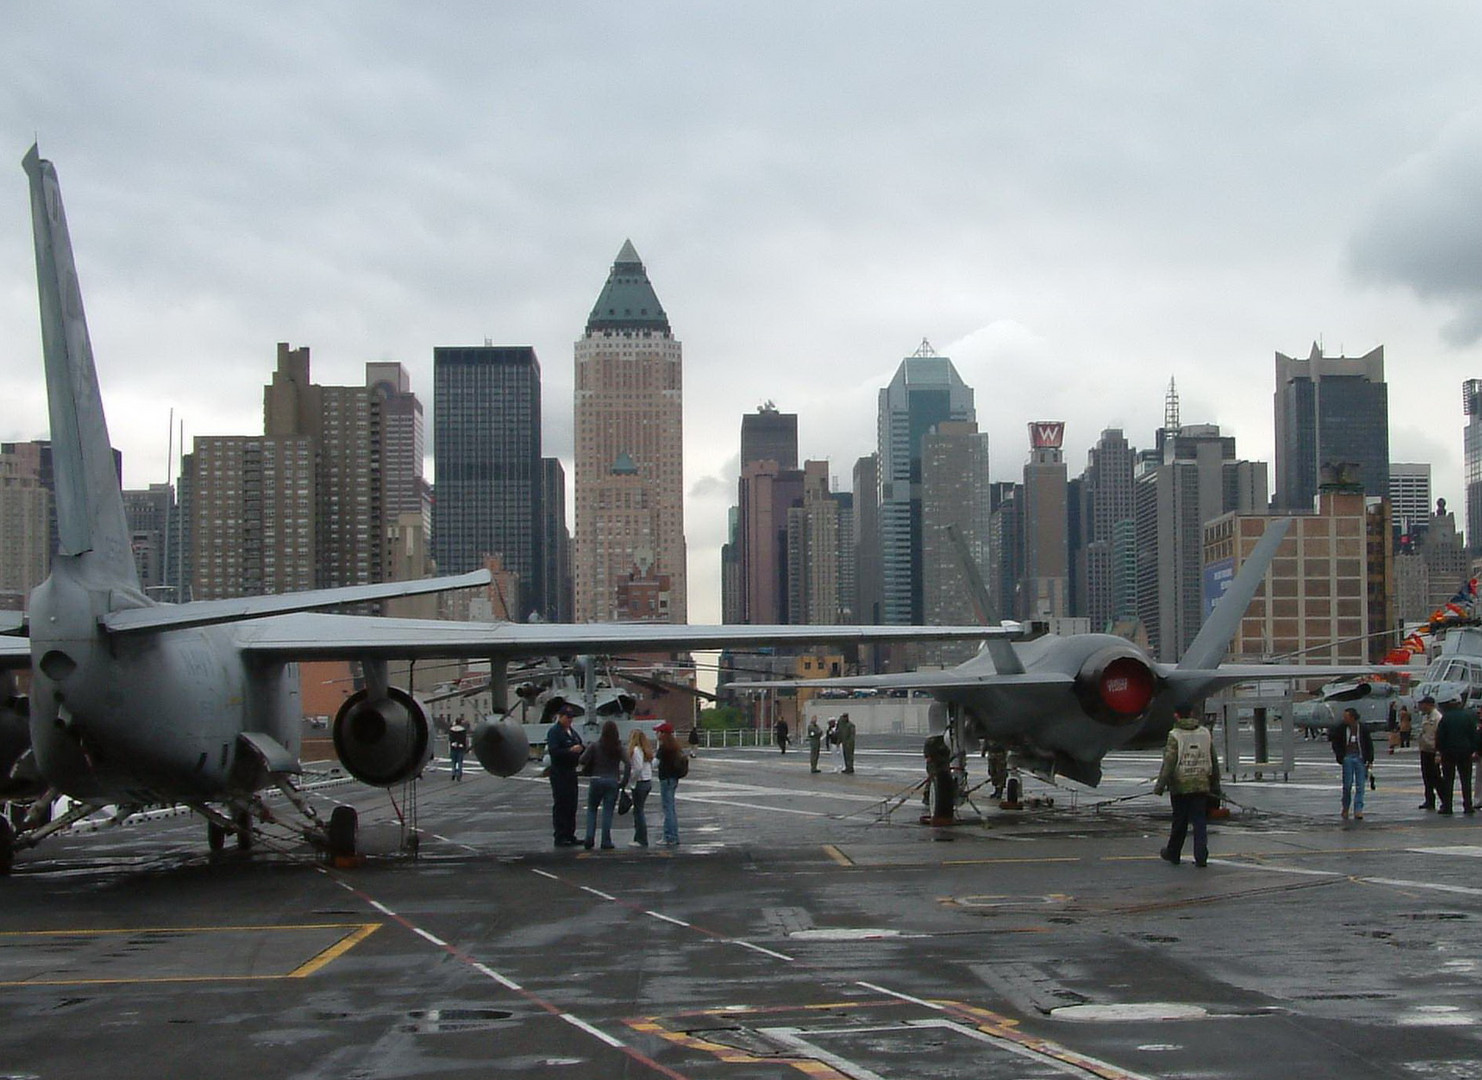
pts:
pixel 925 392
pixel 1471 398
pixel 1330 409
pixel 486 452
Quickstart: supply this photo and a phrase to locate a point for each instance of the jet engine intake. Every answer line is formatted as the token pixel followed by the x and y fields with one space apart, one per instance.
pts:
pixel 1115 686
pixel 382 741
pixel 502 748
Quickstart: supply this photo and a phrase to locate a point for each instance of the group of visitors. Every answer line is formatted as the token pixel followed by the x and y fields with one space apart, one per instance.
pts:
pixel 1449 740
pixel 611 768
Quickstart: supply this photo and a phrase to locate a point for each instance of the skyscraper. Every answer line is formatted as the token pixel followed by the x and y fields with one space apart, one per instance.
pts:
pixel 1191 477
pixel 252 523
pixel 1330 410
pixel 865 601
pixel 1471 399
pixel 1046 589
pixel 769 435
pixel 1108 581
pixel 629 538
pixel 555 542
pixel 348 531
pixel 925 392
pixel 486 452
pixel 151 515
pixel 25 506
pixel 397 415
pixel 955 495
pixel 753 571
pixel 1410 496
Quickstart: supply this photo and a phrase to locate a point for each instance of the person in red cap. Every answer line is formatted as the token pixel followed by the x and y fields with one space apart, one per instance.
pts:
pixel 673 766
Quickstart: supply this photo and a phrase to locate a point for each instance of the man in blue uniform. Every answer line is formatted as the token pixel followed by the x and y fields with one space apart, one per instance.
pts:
pixel 563 747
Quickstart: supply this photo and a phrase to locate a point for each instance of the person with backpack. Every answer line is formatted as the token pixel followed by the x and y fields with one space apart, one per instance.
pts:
pixel 674 766
pixel 1190 775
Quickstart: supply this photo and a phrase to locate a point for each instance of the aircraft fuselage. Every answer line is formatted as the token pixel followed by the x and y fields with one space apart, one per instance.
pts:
pixel 144 718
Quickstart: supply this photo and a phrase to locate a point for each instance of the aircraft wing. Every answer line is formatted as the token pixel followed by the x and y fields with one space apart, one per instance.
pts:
pixel 15 652
pixel 12 622
pixel 914 680
pixel 209 612
pixel 308 636
pixel 1204 680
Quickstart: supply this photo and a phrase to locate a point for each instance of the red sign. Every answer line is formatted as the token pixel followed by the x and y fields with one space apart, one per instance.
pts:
pixel 1046 434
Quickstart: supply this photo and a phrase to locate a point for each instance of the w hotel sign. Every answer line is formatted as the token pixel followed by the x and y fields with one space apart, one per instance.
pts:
pixel 1046 434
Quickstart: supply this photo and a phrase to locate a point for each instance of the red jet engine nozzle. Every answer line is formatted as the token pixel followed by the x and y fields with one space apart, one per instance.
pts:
pixel 1116 686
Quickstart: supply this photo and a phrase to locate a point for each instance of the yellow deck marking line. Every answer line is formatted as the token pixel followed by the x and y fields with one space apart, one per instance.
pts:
pixel 1009 859
pixel 335 951
pixel 1001 1027
pixel 729 1054
pixel 183 930
pixel 837 855
pixel 357 932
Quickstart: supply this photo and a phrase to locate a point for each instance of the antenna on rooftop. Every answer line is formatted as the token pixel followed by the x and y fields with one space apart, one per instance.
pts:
pixel 1170 408
pixel 925 349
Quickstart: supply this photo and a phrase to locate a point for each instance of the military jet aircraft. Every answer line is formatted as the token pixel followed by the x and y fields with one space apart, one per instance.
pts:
pixel 135 703
pixel 1062 703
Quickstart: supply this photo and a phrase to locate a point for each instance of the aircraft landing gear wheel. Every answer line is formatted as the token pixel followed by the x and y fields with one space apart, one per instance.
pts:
pixel 244 831
pixel 7 846
pixel 215 836
pixel 343 824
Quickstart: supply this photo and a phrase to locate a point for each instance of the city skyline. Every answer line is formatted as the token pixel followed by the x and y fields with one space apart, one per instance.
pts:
pixel 1043 208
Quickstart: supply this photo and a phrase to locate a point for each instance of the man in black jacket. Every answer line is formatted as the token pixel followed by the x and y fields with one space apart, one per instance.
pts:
pixel 1355 752
pixel 1456 742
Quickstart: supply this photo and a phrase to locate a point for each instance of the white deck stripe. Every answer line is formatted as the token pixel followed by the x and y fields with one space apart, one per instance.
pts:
pixel 761 949
pixel 898 994
pixel 577 1022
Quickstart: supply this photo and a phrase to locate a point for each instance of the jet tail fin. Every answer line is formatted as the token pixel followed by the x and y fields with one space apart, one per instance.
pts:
pixel 90 511
pixel 1213 640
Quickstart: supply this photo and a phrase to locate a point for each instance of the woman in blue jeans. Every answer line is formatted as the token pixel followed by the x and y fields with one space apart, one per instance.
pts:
pixel 640 759
pixel 606 761
pixel 672 764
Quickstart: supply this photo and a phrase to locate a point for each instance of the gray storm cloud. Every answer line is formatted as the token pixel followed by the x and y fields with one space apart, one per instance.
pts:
pixel 1424 232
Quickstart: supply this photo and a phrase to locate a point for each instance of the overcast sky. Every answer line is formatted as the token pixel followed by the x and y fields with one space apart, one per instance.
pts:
pixel 1075 202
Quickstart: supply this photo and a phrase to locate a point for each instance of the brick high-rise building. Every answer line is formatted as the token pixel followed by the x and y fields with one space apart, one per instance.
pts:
pixel 349 538
pixel 1046 586
pixel 629 538
pixel 316 501
pixel 252 526
pixel 25 508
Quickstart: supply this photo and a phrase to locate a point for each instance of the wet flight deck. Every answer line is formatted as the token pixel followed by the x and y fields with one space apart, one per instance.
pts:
pixel 807 926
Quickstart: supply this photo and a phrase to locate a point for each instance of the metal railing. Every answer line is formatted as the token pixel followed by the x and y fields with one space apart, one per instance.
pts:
pixel 711 737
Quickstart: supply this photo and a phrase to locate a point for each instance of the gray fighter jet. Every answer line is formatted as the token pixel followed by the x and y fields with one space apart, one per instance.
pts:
pixel 1061 704
pixel 134 703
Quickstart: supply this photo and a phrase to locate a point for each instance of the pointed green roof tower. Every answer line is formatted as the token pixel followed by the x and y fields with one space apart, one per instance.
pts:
pixel 628 300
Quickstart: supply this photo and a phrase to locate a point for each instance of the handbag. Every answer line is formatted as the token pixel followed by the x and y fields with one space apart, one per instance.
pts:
pixel 625 801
